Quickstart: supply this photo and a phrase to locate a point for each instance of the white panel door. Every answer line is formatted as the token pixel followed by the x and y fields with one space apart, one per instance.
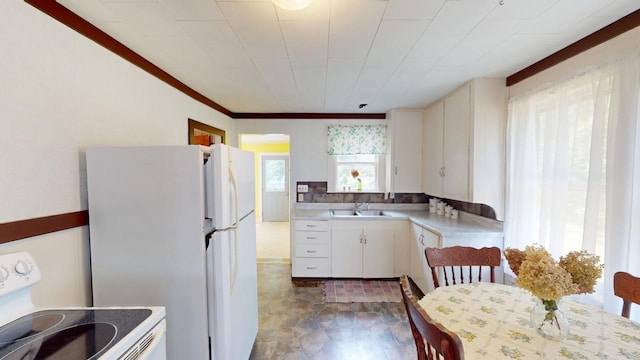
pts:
pixel 275 188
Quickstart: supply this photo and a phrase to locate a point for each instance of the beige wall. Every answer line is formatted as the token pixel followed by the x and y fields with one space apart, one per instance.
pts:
pixel 60 93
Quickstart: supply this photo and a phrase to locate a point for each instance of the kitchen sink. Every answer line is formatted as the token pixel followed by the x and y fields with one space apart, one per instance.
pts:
pixel 343 213
pixel 371 213
pixel 353 213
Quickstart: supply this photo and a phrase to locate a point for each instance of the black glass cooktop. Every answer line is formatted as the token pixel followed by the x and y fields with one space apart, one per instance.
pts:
pixel 77 334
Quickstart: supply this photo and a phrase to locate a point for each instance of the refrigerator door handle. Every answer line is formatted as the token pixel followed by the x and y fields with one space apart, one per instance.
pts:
pixel 234 183
pixel 207 238
pixel 234 228
pixel 234 272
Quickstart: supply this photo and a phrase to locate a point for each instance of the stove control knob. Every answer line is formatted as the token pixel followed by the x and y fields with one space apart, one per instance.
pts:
pixel 4 274
pixel 23 268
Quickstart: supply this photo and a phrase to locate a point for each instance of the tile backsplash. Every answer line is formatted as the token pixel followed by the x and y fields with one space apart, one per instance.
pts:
pixel 318 194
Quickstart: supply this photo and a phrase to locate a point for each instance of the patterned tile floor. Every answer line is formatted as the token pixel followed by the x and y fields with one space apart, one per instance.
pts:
pixel 296 324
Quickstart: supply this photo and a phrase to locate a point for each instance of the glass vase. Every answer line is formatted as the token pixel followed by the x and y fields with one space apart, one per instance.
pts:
pixel 549 319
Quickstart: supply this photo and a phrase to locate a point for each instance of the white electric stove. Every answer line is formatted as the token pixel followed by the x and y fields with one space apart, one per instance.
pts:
pixel 104 333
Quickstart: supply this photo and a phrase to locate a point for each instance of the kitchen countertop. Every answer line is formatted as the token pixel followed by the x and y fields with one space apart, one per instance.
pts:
pixel 467 225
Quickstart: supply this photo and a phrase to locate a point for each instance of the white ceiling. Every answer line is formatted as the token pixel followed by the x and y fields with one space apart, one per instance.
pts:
pixel 250 56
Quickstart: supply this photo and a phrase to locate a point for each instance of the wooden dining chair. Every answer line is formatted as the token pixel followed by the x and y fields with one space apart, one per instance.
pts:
pixel 462 257
pixel 627 287
pixel 433 340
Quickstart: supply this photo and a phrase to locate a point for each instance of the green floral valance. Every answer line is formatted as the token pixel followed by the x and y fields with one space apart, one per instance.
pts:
pixel 357 139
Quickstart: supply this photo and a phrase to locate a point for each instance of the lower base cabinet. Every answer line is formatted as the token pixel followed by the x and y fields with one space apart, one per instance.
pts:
pixel 311 249
pixel 422 238
pixel 372 249
pixel 362 249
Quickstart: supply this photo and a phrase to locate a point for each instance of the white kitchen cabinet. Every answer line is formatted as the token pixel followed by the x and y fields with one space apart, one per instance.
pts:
pixel 432 151
pixel 362 249
pixel 346 251
pixel 402 250
pixel 455 154
pixel 404 151
pixel 464 136
pixel 422 238
pixel 311 248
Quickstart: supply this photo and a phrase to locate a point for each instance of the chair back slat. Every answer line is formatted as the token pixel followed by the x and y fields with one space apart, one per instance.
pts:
pixel 462 259
pixel 627 287
pixel 433 341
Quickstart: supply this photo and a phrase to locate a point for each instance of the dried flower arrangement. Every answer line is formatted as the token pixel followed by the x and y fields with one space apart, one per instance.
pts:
pixel 537 272
pixel 355 173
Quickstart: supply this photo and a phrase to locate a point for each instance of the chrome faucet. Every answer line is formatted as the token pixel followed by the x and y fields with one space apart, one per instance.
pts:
pixel 358 205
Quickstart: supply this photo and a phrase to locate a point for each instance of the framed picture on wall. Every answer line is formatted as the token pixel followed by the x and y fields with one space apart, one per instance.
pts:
pixel 203 134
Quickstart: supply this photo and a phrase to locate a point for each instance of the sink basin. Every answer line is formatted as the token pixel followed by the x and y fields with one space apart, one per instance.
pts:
pixel 371 213
pixel 352 213
pixel 343 213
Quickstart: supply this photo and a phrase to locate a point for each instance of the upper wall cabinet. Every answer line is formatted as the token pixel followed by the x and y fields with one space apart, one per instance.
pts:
pixel 404 151
pixel 464 137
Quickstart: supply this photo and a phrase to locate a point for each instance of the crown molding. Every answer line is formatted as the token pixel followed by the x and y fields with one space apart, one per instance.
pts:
pixel 603 35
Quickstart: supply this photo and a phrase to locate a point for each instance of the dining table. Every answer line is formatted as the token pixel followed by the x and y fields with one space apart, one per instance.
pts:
pixel 493 322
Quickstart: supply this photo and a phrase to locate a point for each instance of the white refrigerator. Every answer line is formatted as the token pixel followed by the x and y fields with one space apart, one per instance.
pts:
pixel 175 226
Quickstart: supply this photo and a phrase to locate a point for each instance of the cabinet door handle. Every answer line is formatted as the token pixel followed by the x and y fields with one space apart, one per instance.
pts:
pixel 311 238
pixel 444 171
pixel 396 170
pixel 311 267
pixel 365 239
pixel 312 251
pixel 310 226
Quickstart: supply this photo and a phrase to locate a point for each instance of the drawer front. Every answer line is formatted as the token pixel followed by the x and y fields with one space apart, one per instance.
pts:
pixel 312 251
pixel 311 225
pixel 305 237
pixel 311 267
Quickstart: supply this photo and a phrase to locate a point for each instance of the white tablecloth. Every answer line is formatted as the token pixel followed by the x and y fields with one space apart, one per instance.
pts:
pixel 492 320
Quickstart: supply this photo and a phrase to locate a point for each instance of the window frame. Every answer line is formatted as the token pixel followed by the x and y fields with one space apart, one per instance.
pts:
pixel 332 178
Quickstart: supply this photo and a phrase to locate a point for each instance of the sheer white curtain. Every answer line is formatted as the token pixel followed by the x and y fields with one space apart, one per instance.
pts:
pixel 573 178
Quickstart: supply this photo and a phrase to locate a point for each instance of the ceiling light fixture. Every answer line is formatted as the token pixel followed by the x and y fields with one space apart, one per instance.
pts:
pixel 292 4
